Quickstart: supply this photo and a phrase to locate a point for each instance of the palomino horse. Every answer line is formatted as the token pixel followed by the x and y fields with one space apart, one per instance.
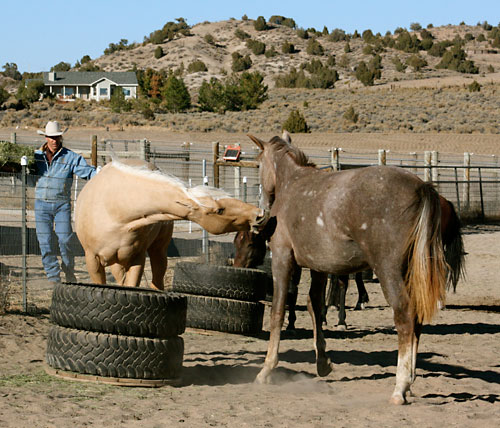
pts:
pixel 127 210
pixel 251 250
pixel 320 226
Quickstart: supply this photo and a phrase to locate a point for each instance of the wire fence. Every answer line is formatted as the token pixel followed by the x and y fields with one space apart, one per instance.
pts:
pixel 470 181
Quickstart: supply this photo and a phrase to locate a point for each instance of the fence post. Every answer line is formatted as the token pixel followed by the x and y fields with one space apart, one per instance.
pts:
pixel 335 158
pixel 434 168
pixel 466 187
pixel 427 165
pixel 144 149
pixel 24 240
pixel 103 145
pixel 204 240
pixel 187 157
pixel 93 150
pixel 237 181
pixel 13 138
pixel 382 157
pixel 215 152
pixel 245 189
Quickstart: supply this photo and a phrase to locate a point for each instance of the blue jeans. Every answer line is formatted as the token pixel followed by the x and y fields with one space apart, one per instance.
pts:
pixel 46 215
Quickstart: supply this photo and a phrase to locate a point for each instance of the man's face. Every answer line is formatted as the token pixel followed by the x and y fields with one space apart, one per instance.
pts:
pixel 53 143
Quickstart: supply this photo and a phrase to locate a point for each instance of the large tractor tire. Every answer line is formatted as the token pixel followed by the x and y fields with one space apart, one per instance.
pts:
pixel 110 355
pixel 227 282
pixel 125 311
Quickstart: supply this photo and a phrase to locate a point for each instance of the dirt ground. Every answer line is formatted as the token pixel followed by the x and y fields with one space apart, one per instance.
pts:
pixel 458 369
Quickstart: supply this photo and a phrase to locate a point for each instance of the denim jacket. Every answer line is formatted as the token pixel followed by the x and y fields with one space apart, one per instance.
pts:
pixel 55 180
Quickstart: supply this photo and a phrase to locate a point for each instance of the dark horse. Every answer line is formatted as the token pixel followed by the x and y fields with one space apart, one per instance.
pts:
pixel 320 226
pixel 250 253
pixel 251 249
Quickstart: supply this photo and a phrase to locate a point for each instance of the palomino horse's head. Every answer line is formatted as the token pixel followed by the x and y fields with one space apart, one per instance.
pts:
pixel 228 215
pixel 271 153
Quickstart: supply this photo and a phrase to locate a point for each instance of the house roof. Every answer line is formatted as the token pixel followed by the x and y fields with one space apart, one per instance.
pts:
pixel 67 78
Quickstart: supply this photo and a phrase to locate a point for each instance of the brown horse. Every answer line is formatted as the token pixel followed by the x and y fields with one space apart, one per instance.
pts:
pixel 127 210
pixel 320 226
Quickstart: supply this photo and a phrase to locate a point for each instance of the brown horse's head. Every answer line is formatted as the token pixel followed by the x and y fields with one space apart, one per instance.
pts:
pixel 270 151
pixel 251 247
pixel 228 215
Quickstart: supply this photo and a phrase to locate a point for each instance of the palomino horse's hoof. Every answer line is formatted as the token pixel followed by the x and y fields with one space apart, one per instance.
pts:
pixel 397 399
pixel 341 327
pixel 263 379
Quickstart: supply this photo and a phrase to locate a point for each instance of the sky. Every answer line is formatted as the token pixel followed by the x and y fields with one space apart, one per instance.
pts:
pixel 38 34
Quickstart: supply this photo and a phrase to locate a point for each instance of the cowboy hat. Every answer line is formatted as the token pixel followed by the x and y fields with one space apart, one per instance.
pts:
pixel 52 129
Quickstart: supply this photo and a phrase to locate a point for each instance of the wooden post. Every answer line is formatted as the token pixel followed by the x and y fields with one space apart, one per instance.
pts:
pixel 103 145
pixel 144 148
pixel 215 151
pixel 427 165
pixel 335 158
pixel 434 168
pixel 237 181
pixel 185 168
pixel 13 138
pixel 382 157
pixel 93 150
pixel 466 186
pixel 414 162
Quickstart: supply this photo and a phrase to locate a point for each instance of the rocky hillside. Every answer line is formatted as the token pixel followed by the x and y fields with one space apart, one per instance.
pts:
pixel 214 43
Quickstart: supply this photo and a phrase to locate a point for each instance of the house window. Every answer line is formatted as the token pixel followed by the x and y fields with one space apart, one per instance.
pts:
pixel 103 92
pixel 126 92
pixel 68 92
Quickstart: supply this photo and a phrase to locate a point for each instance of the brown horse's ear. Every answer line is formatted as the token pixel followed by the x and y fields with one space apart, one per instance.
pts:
pixel 259 143
pixel 286 137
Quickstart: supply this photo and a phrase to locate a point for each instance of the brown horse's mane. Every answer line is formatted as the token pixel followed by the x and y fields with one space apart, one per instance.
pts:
pixel 281 146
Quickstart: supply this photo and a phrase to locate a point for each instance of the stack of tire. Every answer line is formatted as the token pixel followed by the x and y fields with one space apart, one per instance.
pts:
pixel 120 335
pixel 222 298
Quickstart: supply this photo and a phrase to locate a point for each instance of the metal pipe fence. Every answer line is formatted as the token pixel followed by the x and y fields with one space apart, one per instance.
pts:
pixel 470 181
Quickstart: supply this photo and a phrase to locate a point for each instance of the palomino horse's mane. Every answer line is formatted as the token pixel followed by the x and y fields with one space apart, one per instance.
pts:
pixel 280 146
pixel 157 175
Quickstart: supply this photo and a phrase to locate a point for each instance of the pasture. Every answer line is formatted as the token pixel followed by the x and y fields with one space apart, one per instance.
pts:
pixel 458 372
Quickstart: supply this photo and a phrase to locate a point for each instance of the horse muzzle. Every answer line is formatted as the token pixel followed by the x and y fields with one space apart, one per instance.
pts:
pixel 260 221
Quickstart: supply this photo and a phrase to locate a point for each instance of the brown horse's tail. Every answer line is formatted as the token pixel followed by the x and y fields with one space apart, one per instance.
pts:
pixel 426 265
pixel 453 247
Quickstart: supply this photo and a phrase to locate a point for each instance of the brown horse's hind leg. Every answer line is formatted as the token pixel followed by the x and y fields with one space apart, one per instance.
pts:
pixel 282 266
pixel 95 269
pixel 408 335
pixel 315 304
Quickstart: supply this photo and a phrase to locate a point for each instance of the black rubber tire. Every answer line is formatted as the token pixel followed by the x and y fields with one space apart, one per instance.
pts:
pixel 112 355
pixel 111 309
pixel 226 315
pixel 227 282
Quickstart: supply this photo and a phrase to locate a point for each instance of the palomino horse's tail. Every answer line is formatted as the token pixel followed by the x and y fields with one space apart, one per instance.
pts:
pixel 426 265
pixel 453 245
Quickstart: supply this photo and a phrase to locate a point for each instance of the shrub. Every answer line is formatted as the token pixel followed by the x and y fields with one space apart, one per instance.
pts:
pixel 271 52
pixel 281 20
pixel 158 52
pixel 240 63
pixel 437 49
pixel 30 92
pixel 337 35
pixel 196 66
pixel 364 74
pixel 474 87
pixel 4 95
pixel 168 32
pixel 113 47
pixel 490 69
pixel 209 39
pixel 10 70
pixel 314 47
pixel 481 38
pixel 118 103
pixel 347 48
pixel 454 59
pixel 350 115
pixel 175 94
pixel 416 62
pixel 302 34
pixel 398 64
pixel 242 35
pixel 287 47
pixel 368 36
pixel 260 24
pixel 62 66
pixel 258 48
pixel 295 123
pixel 407 42
pixel 236 93
pixel 415 26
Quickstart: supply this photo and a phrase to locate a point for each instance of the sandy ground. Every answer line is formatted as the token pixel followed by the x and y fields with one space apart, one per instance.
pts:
pixel 458 381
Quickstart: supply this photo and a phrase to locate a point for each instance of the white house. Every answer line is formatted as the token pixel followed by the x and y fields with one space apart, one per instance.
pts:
pixel 90 85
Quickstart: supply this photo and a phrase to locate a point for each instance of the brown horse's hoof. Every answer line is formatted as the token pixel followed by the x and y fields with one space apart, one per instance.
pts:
pixel 324 367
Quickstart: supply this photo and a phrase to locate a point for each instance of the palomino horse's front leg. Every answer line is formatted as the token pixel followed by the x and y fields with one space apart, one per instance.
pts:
pixel 282 271
pixel 315 304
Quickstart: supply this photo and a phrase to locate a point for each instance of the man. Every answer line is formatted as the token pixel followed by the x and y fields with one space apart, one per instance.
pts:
pixel 55 166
